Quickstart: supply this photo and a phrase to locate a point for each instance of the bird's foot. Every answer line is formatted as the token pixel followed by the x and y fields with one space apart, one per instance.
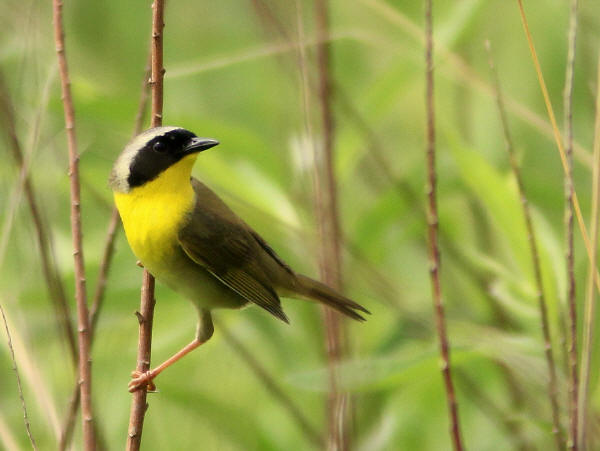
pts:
pixel 140 379
pixel 139 263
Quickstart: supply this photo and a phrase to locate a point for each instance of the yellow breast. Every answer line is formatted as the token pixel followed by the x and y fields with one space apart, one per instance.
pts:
pixel 152 214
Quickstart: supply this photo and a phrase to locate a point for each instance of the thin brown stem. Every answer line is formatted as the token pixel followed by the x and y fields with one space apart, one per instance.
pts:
pixel 54 283
pixel 572 442
pixel 157 71
pixel 66 432
pixel 142 110
pixel 67 429
pixel 138 403
pixel 432 227
pixel 19 387
pixel 109 247
pixel 146 313
pixel 335 406
pixel 590 298
pixel 535 258
pixel 272 387
pixel 85 367
pixel 329 228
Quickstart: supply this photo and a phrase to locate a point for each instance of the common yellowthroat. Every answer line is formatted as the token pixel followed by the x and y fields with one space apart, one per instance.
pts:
pixel 190 240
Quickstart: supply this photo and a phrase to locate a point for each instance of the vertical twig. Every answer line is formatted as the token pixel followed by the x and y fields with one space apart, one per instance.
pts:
pixel 85 367
pixel 334 400
pixel 157 71
pixel 138 402
pixel 572 443
pixel 109 247
pixel 20 388
pixel 146 313
pixel 590 299
pixel 535 258
pixel 329 228
pixel 49 267
pixel 432 226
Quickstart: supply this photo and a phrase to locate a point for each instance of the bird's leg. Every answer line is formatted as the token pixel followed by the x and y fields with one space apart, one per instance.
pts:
pixel 204 331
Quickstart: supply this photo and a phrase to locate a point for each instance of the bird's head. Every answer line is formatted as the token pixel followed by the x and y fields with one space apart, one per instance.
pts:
pixel 152 152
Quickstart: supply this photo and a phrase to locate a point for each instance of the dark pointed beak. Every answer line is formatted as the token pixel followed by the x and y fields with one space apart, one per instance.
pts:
pixel 199 144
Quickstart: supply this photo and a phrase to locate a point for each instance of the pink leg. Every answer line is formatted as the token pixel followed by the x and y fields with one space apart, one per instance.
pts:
pixel 203 333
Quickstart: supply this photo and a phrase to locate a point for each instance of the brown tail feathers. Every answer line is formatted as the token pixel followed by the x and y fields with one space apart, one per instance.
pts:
pixel 322 293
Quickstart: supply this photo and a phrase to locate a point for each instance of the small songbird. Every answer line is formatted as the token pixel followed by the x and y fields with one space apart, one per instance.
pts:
pixel 187 238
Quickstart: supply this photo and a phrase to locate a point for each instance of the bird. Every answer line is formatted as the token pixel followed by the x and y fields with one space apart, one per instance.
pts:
pixel 191 241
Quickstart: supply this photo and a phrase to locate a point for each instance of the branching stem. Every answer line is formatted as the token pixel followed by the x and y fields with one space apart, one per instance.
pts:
pixel 85 364
pixel 146 313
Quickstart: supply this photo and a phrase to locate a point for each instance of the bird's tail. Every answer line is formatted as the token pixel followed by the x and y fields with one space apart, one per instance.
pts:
pixel 320 292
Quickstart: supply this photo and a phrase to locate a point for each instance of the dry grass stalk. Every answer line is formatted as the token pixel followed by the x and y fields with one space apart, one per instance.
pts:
pixel 557 138
pixel 19 387
pixel 590 299
pixel 335 401
pixel 572 442
pixel 329 233
pixel 49 268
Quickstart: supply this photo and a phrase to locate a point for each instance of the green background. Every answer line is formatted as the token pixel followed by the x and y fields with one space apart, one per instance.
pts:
pixel 232 75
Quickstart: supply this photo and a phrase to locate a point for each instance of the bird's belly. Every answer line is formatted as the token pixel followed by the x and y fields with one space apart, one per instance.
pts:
pixel 152 233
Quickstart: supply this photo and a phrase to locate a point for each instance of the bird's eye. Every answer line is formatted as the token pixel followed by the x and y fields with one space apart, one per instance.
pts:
pixel 159 146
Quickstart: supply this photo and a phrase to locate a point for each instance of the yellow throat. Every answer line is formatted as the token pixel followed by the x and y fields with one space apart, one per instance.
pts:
pixel 152 213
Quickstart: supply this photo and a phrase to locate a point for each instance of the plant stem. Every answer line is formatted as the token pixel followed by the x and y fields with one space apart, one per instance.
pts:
pixel 97 301
pixel 329 228
pixel 535 259
pixel 138 402
pixel 572 442
pixel 19 387
pixel 146 313
pixel 432 226
pixel 558 139
pixel 54 283
pixel 590 300
pixel 85 367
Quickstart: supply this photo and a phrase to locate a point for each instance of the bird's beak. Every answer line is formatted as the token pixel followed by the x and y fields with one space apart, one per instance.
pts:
pixel 198 145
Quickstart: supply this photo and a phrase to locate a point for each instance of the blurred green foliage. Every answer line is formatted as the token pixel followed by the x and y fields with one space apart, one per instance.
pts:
pixel 233 74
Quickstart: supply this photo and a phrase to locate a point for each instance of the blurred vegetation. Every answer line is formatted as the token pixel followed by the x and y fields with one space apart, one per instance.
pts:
pixel 232 74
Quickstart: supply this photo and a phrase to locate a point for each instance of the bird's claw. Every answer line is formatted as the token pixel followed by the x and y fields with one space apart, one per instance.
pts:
pixel 140 379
